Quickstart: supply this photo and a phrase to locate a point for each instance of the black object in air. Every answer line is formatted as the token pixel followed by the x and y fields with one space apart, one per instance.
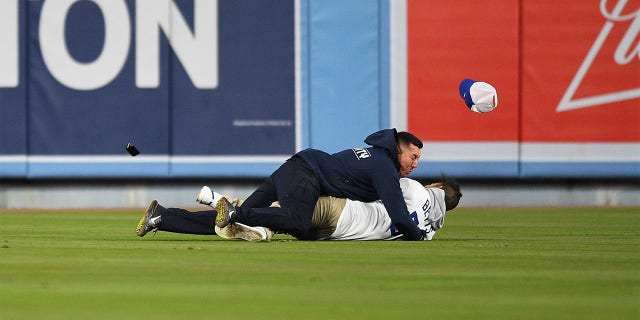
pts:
pixel 133 151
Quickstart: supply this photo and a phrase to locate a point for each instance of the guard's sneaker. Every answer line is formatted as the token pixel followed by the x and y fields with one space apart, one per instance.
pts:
pixel 208 197
pixel 225 212
pixel 245 232
pixel 151 219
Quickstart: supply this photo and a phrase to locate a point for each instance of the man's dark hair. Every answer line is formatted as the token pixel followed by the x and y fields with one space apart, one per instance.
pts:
pixel 408 138
pixel 452 192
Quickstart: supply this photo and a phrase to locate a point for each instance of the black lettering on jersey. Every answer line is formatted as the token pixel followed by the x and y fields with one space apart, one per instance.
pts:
pixel 361 153
pixel 426 207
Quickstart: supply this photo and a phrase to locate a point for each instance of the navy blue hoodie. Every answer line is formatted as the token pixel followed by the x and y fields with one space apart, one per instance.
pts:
pixel 366 174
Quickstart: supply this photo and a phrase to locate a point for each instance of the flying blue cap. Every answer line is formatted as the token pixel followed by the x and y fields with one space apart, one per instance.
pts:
pixel 479 96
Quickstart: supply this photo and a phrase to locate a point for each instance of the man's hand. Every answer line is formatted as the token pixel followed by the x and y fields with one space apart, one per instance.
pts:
pixel 427 235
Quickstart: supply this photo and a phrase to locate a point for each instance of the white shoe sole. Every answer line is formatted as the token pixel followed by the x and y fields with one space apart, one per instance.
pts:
pixel 242 231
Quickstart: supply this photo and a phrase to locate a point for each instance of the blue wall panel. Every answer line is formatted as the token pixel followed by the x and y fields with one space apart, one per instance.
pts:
pixel 580 170
pixel 344 68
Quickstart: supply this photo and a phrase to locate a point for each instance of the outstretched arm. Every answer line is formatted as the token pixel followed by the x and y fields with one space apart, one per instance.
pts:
pixel 388 188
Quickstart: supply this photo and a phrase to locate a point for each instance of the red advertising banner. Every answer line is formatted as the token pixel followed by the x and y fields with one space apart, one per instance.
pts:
pixel 452 40
pixel 580 71
pixel 565 71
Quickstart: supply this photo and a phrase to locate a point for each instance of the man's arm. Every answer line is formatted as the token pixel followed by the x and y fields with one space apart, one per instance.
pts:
pixel 388 189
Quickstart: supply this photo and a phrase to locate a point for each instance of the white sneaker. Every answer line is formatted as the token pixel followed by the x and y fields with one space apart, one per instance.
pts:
pixel 245 232
pixel 208 197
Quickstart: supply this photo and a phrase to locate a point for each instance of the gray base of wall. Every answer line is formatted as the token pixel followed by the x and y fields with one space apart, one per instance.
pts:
pixel 124 194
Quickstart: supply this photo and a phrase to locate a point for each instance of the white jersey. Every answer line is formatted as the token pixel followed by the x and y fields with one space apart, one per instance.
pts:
pixel 370 221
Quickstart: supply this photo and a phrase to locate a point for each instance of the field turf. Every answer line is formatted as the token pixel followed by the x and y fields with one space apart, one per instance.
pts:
pixel 542 263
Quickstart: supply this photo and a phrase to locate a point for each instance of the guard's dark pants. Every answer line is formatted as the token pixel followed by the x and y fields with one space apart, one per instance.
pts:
pixel 183 221
pixel 297 189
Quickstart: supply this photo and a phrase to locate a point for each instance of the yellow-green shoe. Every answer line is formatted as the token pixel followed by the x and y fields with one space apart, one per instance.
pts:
pixel 225 212
pixel 151 218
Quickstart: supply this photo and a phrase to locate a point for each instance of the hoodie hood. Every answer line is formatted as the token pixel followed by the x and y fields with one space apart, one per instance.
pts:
pixel 385 139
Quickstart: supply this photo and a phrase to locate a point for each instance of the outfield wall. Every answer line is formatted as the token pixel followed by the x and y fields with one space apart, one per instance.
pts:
pixel 230 88
pixel 135 195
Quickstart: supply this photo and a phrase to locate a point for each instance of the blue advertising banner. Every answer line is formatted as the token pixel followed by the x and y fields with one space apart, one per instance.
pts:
pixel 13 111
pixel 186 81
pixel 251 111
pixel 83 97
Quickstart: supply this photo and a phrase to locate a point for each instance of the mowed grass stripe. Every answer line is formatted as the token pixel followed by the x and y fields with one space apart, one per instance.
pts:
pixel 525 263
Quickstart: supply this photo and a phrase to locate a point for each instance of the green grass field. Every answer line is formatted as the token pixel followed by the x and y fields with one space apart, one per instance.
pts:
pixel 577 263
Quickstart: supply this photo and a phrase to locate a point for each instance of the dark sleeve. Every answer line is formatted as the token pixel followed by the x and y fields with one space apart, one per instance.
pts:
pixel 388 187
